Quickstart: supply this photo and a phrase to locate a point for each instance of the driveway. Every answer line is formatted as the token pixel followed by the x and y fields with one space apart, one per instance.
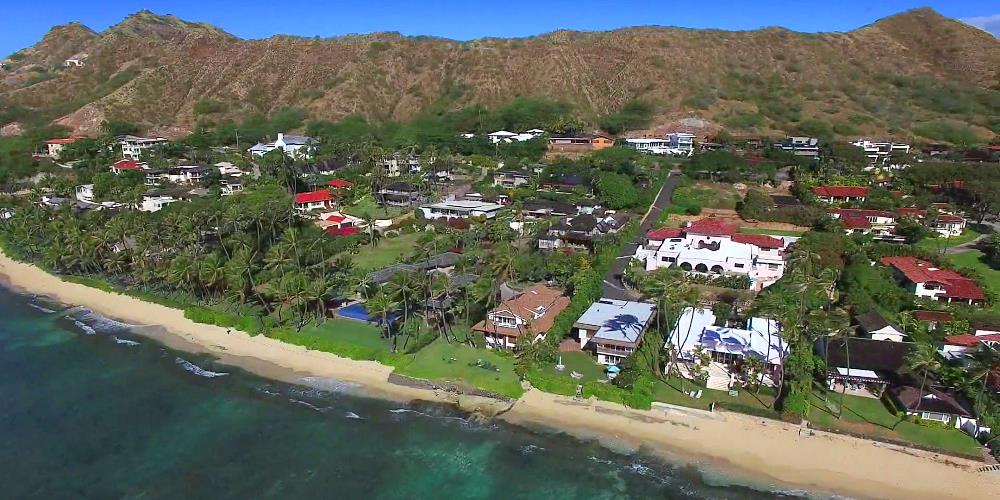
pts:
pixel 613 288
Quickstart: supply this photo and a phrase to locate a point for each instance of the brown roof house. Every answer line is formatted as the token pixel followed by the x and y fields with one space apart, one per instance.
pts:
pixel 530 313
pixel 937 405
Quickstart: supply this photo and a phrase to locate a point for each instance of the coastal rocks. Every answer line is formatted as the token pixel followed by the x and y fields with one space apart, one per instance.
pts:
pixel 481 405
pixel 483 408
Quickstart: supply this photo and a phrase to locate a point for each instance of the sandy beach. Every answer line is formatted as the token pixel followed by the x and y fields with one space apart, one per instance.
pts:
pixel 772 452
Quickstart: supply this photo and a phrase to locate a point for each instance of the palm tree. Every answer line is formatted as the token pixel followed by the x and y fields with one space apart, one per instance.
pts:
pixel 923 359
pixel 382 305
pixel 985 361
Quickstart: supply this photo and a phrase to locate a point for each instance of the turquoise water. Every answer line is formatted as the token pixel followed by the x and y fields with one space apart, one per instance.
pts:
pixel 90 411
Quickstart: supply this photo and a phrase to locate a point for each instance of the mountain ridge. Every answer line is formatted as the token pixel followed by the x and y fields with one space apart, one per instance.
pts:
pixel 154 69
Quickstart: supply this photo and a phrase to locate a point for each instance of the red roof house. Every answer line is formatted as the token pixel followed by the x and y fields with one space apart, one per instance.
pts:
pixel 124 165
pixel 339 184
pixel 664 233
pixel 759 240
pixel 840 193
pixel 926 280
pixel 313 200
pixel 710 227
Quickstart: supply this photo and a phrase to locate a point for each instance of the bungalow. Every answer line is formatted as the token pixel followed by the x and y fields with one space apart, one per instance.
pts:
pixel 531 313
pixel 579 142
pixel 539 209
pixel 613 328
pixel 937 405
pixel 800 146
pixel 313 200
pixel 932 318
pixel 399 194
pixel 925 280
pixel 727 347
pixel 872 325
pixel 134 147
pixel 840 194
pixel 337 184
pixel 510 179
pixel 294 146
pixel 581 231
pixel 340 224
pixel 228 169
pixel 866 366
pixel 56 146
pixel 127 166
pixel 461 209
pixel 881 224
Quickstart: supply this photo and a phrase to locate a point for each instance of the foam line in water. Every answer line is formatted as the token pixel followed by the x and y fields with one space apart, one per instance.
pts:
pixel 85 327
pixel 329 384
pixel 197 370
pixel 124 341
pixel 45 310
pixel 353 415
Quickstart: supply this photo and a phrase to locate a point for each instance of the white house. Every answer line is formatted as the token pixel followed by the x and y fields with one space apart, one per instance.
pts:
pixel 313 200
pixel 712 246
pixel 133 147
pixel 651 146
pixel 501 136
pixel 510 179
pixel 396 165
pixel 696 329
pixel 613 328
pixel 881 224
pixel 187 174
pixel 56 146
pixel 461 209
pixel 875 327
pixel 878 153
pixel 294 146
pixel 85 193
pixel 682 142
pixel 924 279
pixel 230 186
pixel 156 203
pixel 228 169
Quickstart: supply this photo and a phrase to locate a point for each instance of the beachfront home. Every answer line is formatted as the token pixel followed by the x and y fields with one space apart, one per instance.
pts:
pixel 613 328
pixel 134 147
pixel 936 404
pixel 293 146
pixel 924 279
pixel 712 246
pixel 579 143
pixel 313 200
pixel 440 263
pixel 800 146
pixel 461 209
pixel 865 366
pixel 728 348
pixel 840 194
pixel 531 313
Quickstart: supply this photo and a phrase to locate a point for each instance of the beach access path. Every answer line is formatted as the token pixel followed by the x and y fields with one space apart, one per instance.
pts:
pixel 760 450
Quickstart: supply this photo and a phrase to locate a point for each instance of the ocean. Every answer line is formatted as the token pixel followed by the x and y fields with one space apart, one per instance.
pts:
pixel 90 410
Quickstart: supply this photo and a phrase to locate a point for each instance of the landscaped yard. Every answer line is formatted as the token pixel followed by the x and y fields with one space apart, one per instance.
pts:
pixel 367 208
pixel 941 242
pixel 706 195
pixel 974 259
pixel 745 400
pixel 386 252
pixel 461 364
pixel 579 362
pixel 343 337
pixel 870 417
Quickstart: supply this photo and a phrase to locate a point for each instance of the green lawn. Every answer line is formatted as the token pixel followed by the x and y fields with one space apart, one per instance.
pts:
pixel 388 251
pixel 366 207
pixel 773 232
pixel 870 417
pixel 941 242
pixel 706 195
pixel 974 259
pixel 580 362
pixel 343 337
pixel 456 363
pixel 670 392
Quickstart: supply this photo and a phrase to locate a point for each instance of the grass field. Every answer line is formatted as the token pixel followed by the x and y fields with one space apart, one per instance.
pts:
pixel 974 259
pixel 670 392
pixel 939 243
pixel 773 232
pixel 457 363
pixel 870 417
pixel 388 251
pixel 706 195
pixel 366 207
pixel 580 362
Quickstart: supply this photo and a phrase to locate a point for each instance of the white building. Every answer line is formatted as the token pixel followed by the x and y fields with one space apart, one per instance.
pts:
pixel 133 147
pixel 228 169
pixel 294 146
pixel 712 246
pixel 85 193
pixel 501 136
pixel 187 174
pixel 681 142
pixel 156 203
pixel 878 153
pixel 460 209
pixel 613 328
pixel 56 146
pixel 397 165
pixel 761 339
pixel 924 279
pixel 651 146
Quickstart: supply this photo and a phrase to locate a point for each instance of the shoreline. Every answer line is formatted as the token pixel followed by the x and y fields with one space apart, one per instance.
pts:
pixel 760 451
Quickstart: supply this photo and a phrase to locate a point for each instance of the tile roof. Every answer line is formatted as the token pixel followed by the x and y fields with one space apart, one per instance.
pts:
pixel 861 212
pixel 758 240
pixel 127 165
pixel 665 233
pixel 932 315
pixel 969 340
pixel 69 140
pixel 920 271
pixel 841 191
pixel 525 306
pixel 855 222
pixel 313 196
pixel 339 183
pixel 711 227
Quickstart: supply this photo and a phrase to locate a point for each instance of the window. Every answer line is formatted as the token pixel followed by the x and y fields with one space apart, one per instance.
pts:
pixel 667 259
pixel 505 321
pixel 739 266
pixel 772 267
pixel 937 417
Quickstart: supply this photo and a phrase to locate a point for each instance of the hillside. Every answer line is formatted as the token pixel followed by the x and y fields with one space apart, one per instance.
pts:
pixel 916 73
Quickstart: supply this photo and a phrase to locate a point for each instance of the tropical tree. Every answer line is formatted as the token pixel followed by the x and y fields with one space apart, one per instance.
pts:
pixel 923 359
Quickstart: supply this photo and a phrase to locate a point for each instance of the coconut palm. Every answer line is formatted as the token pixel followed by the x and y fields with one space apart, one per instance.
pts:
pixel 923 359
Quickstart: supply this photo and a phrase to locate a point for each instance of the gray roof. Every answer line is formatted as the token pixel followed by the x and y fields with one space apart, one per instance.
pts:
pixel 873 321
pixel 618 320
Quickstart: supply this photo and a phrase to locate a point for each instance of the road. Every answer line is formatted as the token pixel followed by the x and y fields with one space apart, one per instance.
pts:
pixel 613 288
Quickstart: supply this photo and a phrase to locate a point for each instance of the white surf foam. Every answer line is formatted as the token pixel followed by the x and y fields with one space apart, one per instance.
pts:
pixel 353 415
pixel 85 327
pixel 124 341
pixel 329 384
pixel 197 370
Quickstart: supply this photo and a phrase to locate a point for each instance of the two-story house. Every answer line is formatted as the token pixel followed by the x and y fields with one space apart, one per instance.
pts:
pixel 613 329
pixel 530 313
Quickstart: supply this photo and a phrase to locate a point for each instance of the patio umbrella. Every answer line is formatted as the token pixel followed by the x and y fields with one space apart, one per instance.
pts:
pixel 614 369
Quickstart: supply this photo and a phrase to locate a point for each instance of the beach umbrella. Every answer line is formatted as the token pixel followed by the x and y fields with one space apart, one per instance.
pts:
pixel 614 369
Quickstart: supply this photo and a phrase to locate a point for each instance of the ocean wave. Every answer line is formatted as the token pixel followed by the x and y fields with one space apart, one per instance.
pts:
pixel 124 341
pixel 353 415
pixel 646 471
pixel 45 310
pixel 197 370
pixel 530 449
pixel 85 327
pixel 329 384
pixel 399 411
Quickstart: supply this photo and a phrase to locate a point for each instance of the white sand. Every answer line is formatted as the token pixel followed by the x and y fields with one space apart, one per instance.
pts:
pixel 770 451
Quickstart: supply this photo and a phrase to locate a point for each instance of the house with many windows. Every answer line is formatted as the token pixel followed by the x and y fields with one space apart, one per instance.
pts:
pixel 399 194
pixel 134 147
pixel 879 152
pixel 925 279
pixel 293 146
pixel 510 179
pixel 680 142
pixel 461 209
pixel 530 313
pixel 800 146
pixel 613 329
pixel 583 231
pixel 712 246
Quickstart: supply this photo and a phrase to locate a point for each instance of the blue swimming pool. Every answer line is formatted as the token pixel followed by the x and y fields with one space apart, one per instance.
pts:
pixel 359 312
